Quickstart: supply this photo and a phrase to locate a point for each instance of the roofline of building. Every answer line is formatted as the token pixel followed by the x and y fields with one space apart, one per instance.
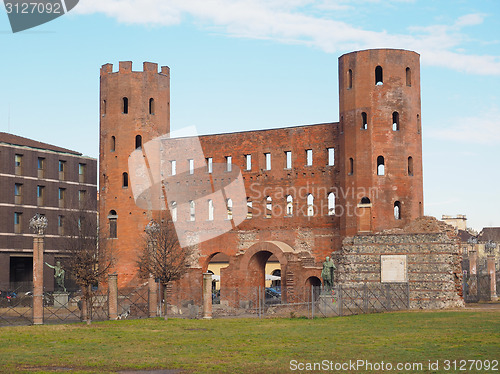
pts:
pixel 16 140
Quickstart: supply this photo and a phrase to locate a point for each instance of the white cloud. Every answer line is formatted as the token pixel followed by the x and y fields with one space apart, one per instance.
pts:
pixel 294 21
pixel 480 129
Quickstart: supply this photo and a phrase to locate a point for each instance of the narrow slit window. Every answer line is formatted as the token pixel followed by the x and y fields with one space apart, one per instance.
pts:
pixel 397 210
pixel 125 180
pixel 379 76
pixel 209 165
pixel 309 157
pixel 331 204
pixel 288 158
pixel 125 105
pixel 192 207
pixel 229 208
pixel 364 121
pixel 173 167
pixel 268 161
pixel 349 79
pixel 395 121
pixel 289 205
pixel 408 77
pixel 269 207
pixel 351 166
pixel 249 208
pixel 138 141
pixel 173 211
pixel 210 210
pixel 104 107
pixel 310 205
pixel 248 159
pixel 229 161
pixel 418 124
pixel 191 166
pixel 331 156
pixel 152 106
pixel 112 221
pixel 410 166
pixel 113 144
pixel 380 165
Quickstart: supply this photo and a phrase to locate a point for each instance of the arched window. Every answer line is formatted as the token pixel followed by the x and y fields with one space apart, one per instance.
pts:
pixel 380 165
pixel 379 76
pixel 365 200
pixel 191 210
pixel 349 79
pixel 112 221
pixel 104 108
pixel 289 205
pixel 138 141
pixel 410 166
pixel 364 121
pixel 418 124
pixel 397 210
pixel 249 208
pixel 125 105
pixel 113 144
pixel 331 204
pixel 351 166
pixel 173 211
pixel 229 209
pixel 210 210
pixel 310 205
pixel 269 206
pixel 408 77
pixel 395 121
pixel 125 180
pixel 151 106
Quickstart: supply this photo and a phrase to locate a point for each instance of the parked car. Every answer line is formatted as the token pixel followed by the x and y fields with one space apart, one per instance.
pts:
pixel 272 296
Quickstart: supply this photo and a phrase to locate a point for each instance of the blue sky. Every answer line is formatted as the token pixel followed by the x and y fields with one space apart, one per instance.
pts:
pixel 255 64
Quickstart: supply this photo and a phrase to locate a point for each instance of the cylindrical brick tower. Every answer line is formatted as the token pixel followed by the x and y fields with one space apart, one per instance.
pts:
pixel 135 108
pixel 380 140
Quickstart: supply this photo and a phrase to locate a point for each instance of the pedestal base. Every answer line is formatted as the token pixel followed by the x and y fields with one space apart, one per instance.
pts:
pixel 61 299
pixel 328 305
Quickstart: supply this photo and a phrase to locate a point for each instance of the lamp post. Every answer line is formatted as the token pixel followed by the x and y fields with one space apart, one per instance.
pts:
pixel 38 224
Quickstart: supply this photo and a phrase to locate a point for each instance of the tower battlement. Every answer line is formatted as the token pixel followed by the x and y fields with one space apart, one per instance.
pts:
pixel 126 67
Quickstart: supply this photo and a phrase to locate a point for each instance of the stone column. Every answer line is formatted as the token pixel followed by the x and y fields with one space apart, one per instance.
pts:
pixel 207 296
pixel 153 296
pixel 493 280
pixel 38 280
pixel 113 296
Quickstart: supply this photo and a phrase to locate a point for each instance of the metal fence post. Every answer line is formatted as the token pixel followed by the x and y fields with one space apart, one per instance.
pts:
pixel 340 300
pixel 365 298
pixel 312 301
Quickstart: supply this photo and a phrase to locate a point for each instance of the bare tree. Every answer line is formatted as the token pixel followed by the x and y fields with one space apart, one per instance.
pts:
pixel 89 256
pixel 162 256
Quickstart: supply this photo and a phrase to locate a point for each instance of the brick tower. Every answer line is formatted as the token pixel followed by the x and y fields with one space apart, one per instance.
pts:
pixel 135 108
pixel 380 140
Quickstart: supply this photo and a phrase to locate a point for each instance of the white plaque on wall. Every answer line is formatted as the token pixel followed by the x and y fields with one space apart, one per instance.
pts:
pixel 393 268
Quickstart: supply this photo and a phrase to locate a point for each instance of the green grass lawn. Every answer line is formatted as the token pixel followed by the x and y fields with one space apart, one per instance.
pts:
pixel 252 345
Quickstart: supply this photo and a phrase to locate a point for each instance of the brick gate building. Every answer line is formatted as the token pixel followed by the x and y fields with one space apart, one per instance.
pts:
pixel 308 187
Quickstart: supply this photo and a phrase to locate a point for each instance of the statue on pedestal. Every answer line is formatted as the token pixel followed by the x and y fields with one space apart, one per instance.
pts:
pixel 327 273
pixel 58 274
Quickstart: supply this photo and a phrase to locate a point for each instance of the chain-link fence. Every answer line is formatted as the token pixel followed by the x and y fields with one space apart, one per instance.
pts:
pixel 477 287
pixel 16 304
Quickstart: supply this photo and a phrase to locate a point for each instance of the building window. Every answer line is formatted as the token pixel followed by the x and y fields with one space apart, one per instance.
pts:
pixel 18 193
pixel 249 208
pixel 113 144
pixel 248 159
pixel 379 76
pixel 125 105
pixel 310 205
pixel 210 210
pixel 331 204
pixel 138 141
pixel 82 194
pixel 18 164
pixel 192 216
pixel 410 166
pixel 40 194
pixel 81 173
pixel 288 156
pixel 173 211
pixel 112 221
pixel 125 180
pixel 269 207
pixel 397 210
pixel 60 225
pixel 62 169
pixel 61 196
pixel 331 156
pixel 191 166
pixel 229 208
pixel 395 121
pixel 351 166
pixel 380 165
pixel 408 77
pixel 104 107
pixel 309 157
pixel 349 79
pixel 268 161
pixel 364 121
pixel 17 222
pixel 173 167
pixel 229 160
pixel 365 200
pixel 41 167
pixel 418 124
pixel 209 165
pixel 289 205
pixel 152 106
